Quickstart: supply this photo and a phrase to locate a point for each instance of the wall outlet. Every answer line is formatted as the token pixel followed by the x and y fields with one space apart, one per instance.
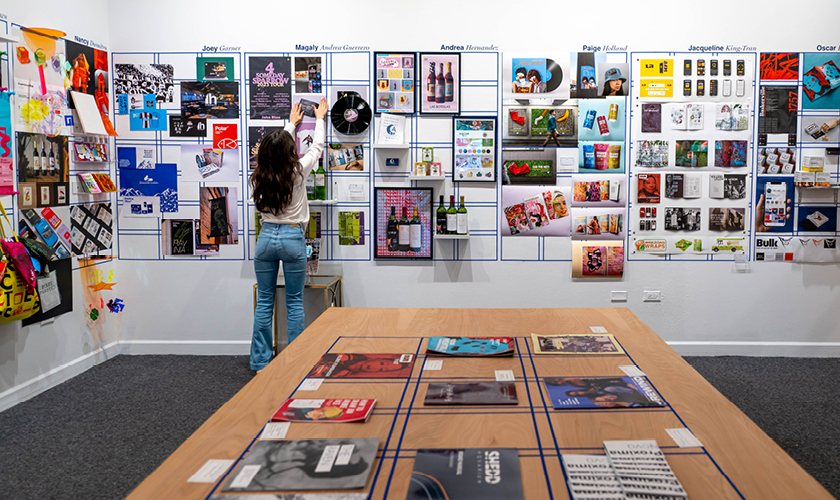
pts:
pixel 652 296
pixel 620 296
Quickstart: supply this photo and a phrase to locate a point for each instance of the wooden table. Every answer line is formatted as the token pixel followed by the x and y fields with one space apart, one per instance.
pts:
pixel 738 460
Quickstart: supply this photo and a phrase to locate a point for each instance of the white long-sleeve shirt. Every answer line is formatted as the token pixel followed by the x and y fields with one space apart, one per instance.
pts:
pixel 298 208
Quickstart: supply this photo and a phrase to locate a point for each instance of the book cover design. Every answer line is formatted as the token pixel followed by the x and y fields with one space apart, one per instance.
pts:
pixel 777 109
pixel 601 392
pixel 489 474
pixel 471 346
pixel 692 154
pixel 575 344
pixel 517 219
pixel 537 211
pixel 324 410
pixel 311 464
pixel 648 188
pixel 471 393
pixel 651 118
pixel 351 228
pixel 363 366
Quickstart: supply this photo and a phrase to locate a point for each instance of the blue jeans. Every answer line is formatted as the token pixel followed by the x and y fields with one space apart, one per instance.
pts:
pixel 276 243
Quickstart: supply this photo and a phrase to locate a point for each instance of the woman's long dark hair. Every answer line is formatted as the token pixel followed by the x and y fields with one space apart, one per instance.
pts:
pixel 277 167
pixel 607 89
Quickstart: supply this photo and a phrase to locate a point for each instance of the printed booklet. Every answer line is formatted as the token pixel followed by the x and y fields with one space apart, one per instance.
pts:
pixel 575 344
pixel 601 392
pixel 471 393
pixel 363 366
pixel 480 473
pixel 471 346
pixel 325 410
pixel 309 464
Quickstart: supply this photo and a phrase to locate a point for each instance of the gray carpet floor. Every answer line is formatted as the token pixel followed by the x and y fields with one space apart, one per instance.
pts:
pixel 100 434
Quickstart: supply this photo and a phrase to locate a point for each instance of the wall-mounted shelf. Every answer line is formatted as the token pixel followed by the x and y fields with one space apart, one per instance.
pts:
pixel 426 177
pixel 322 202
pixel 452 236
pixel 9 38
pixel 391 146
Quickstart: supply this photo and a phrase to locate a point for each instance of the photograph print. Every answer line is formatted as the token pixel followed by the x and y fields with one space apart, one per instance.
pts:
pixel 440 77
pixel 142 79
pixel 210 99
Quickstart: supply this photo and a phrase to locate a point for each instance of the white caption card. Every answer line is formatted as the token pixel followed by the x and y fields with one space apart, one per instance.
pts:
pixel 211 471
pixel 243 479
pixel 632 371
pixel 327 458
pixel 598 329
pixel 433 364
pixel 310 384
pixel 684 438
pixel 306 403
pixel 275 431
pixel 344 454
pixel 504 376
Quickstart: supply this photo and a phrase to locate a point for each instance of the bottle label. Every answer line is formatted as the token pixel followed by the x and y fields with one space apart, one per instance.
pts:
pixel 320 180
pixel 441 223
pixel 431 92
pixel 448 90
pixel 405 234
pixel 310 184
pixel 439 91
pixel 462 223
pixel 452 222
pixel 416 236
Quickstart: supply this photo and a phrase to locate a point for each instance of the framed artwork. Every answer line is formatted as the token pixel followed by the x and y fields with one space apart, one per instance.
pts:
pixel 474 148
pixel 394 74
pixel 395 209
pixel 440 77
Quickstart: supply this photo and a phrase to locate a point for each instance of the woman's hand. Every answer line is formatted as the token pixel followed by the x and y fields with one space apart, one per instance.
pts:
pixel 296 115
pixel 321 109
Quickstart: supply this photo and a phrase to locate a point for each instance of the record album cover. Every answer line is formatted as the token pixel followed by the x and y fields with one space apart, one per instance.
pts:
pixel 363 366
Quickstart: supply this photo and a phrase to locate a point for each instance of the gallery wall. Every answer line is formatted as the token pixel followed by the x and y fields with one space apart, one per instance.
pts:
pixel 204 306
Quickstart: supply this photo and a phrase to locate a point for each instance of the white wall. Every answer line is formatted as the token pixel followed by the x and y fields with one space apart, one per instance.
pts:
pixel 206 307
pixel 38 357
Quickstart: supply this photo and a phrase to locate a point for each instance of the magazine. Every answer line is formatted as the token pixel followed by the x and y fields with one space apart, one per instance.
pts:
pixel 687 117
pixel 599 190
pixel 325 410
pixel 652 154
pixel 820 80
pixel 726 219
pixel 729 186
pixel 310 464
pixel 691 153
pixel 652 118
pixel 471 393
pixel 731 153
pixel 648 188
pixel 683 185
pixel 488 474
pixel 732 117
pixel 363 366
pixel 471 346
pixel 682 219
pixel 575 343
pixel 601 392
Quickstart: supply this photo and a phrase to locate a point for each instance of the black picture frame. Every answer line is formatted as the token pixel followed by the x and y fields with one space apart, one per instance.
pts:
pixel 397 197
pixel 400 90
pixel 465 151
pixel 423 61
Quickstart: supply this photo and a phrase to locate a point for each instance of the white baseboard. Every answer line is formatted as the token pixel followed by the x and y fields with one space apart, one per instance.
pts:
pixel 56 376
pixel 744 348
pixel 195 347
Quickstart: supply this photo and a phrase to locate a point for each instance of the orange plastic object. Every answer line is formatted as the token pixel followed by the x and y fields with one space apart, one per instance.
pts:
pixel 22 55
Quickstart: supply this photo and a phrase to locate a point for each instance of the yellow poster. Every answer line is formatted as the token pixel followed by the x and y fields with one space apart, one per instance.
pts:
pixel 657 88
pixel 656 67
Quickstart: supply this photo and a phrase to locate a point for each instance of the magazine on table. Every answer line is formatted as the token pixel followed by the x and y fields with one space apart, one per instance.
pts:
pixel 575 344
pixel 601 392
pixel 471 393
pixel 363 365
pixel 325 410
pixel 479 473
pixel 471 346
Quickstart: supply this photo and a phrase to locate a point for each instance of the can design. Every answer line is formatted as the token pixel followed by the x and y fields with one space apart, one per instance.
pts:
pixel 613 116
pixel 590 119
pixel 602 125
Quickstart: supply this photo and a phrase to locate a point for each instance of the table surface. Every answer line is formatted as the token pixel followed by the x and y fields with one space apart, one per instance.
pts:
pixel 737 460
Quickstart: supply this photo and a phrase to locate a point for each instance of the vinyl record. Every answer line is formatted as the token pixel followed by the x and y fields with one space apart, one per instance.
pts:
pixel 351 115
pixel 556 73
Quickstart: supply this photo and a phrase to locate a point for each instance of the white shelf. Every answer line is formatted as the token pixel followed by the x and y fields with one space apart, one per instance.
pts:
pixel 322 202
pixel 426 177
pixel 452 236
pixel 8 38
pixel 391 146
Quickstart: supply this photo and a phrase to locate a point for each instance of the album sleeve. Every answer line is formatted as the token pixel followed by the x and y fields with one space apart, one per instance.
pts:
pixel 310 159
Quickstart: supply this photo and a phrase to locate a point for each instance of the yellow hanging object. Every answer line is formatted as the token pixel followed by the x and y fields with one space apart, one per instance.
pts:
pixel 35 110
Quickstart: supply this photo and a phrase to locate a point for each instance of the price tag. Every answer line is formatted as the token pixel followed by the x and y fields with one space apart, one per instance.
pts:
pixel 245 476
pixel 344 454
pixel 406 358
pixel 306 403
pixel 684 438
pixel 211 471
pixel 598 329
pixel 504 376
pixel 274 431
pixel 310 384
pixel 327 458
pixel 632 371
pixel 433 364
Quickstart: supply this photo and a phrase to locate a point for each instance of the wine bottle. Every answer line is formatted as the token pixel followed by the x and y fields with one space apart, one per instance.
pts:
pixel 462 218
pixel 416 233
pixel 440 88
pixel 320 181
pixel 45 167
pixel 448 92
pixel 52 160
pixel 430 83
pixel 451 216
pixel 393 234
pixel 440 221
pixel 310 185
pixel 36 160
pixel 405 232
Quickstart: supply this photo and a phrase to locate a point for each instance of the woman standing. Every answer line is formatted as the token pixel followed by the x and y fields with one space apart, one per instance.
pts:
pixel 278 189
